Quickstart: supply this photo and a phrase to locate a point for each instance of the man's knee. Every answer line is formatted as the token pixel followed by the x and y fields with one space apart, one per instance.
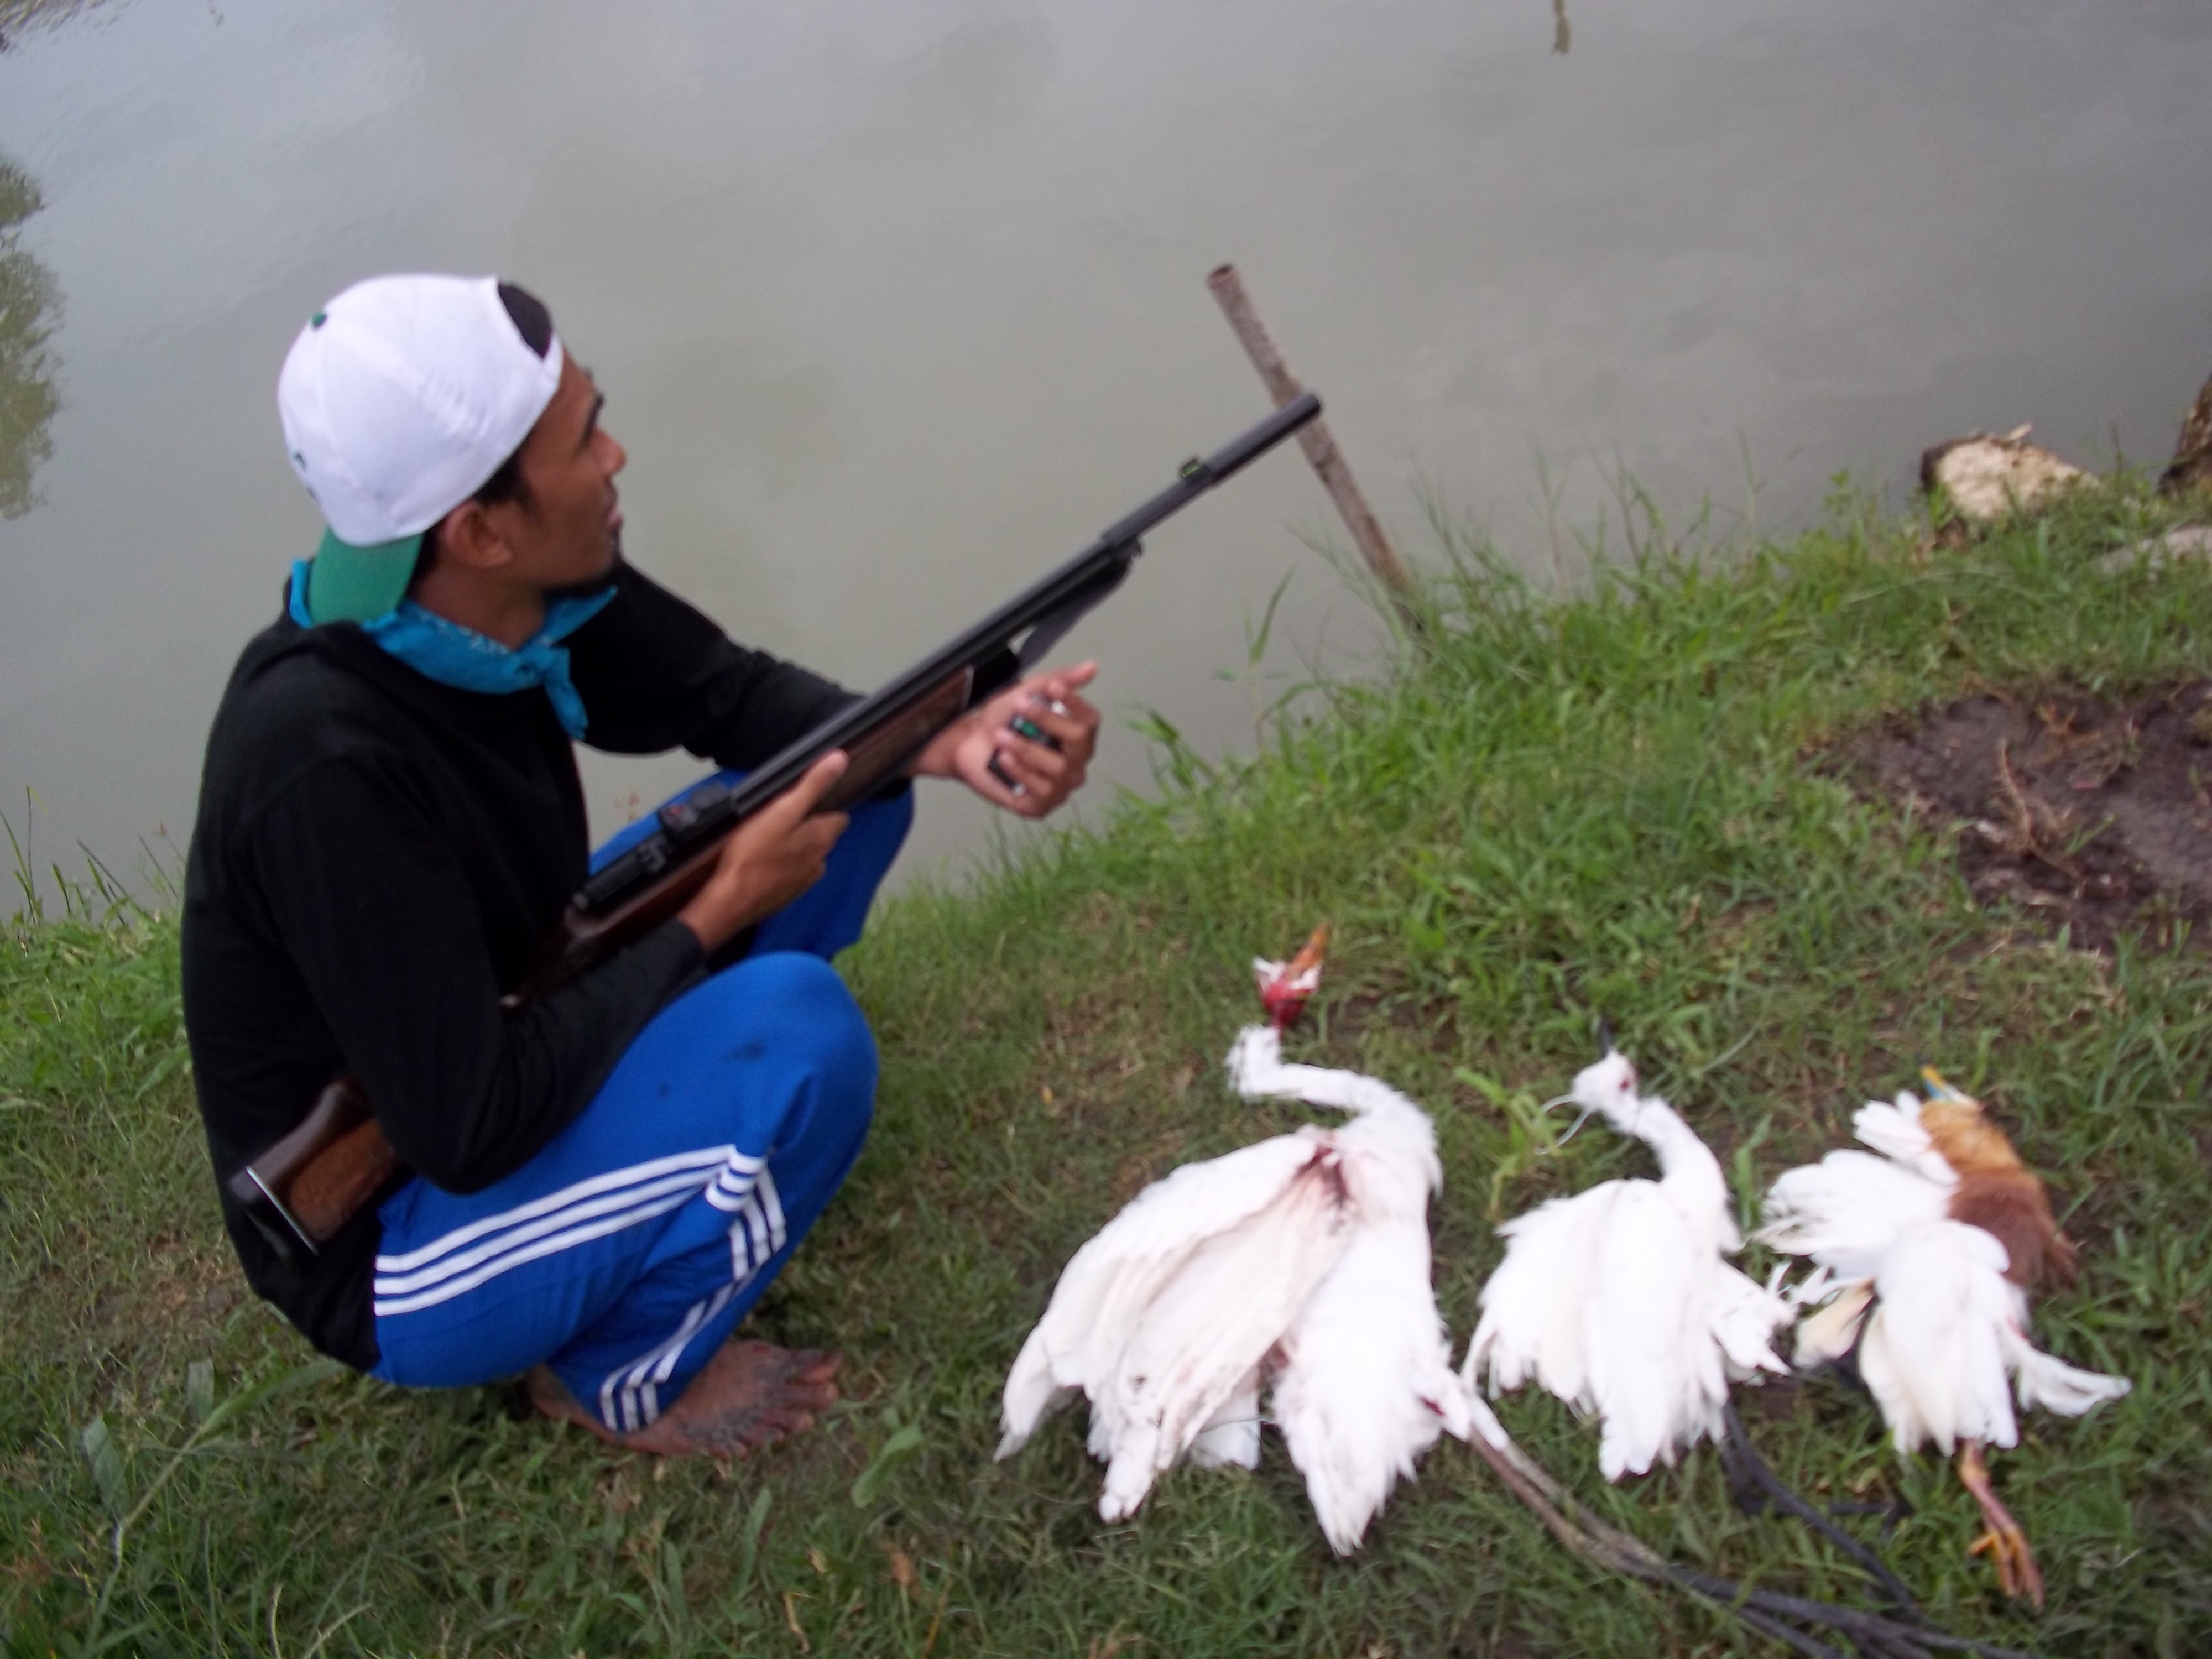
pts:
pixel 803 1022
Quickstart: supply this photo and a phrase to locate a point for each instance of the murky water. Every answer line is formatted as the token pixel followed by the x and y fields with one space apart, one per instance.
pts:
pixel 897 304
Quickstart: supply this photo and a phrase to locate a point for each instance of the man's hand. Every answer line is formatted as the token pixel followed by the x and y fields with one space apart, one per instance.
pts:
pixel 769 860
pixel 1032 777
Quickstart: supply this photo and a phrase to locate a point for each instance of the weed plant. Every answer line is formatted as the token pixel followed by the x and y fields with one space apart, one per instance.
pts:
pixel 1626 801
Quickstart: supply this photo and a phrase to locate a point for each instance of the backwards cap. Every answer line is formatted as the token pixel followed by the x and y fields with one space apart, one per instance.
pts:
pixel 400 398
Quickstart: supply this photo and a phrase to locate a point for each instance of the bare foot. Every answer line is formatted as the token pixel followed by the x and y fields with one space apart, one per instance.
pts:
pixel 750 1395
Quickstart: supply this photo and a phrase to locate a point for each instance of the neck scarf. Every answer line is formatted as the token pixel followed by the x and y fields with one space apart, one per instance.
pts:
pixel 443 650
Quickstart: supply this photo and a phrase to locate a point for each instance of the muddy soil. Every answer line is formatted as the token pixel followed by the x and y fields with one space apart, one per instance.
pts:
pixel 2091 815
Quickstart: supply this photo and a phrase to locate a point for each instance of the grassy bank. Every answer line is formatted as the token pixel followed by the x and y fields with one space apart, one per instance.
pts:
pixel 1627 802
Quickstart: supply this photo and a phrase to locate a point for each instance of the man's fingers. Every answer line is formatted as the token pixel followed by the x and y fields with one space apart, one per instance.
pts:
pixel 1046 778
pixel 1062 682
pixel 1074 725
pixel 1031 764
pixel 989 784
pixel 813 784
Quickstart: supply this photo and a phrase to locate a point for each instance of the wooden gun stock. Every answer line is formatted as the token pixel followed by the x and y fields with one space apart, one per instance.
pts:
pixel 318 1178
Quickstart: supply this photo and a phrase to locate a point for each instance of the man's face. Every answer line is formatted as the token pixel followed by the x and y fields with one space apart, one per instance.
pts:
pixel 566 531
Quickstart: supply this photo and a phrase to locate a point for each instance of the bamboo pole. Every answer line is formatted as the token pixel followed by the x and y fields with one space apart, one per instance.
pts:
pixel 1319 447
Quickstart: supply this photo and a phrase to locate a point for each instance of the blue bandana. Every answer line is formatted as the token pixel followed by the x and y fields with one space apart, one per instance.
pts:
pixel 462 658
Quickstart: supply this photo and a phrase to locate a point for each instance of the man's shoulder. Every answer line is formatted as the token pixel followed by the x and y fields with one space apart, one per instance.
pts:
pixel 299 700
pixel 300 689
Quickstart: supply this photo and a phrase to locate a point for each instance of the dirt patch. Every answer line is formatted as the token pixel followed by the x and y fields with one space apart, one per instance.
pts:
pixel 2093 815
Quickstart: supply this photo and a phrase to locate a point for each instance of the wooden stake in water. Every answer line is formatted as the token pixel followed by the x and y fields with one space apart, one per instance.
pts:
pixel 1321 449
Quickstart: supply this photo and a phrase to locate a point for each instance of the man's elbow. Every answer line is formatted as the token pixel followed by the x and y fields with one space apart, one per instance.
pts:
pixel 459 1167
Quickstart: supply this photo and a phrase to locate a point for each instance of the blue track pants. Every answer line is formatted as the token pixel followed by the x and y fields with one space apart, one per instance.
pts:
pixel 625 1252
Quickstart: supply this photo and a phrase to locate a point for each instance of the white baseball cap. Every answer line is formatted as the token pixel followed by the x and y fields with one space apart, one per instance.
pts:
pixel 400 398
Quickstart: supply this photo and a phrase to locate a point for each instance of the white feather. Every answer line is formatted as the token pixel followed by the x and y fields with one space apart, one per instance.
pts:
pixel 1847 1210
pixel 1619 1300
pixel 1941 1332
pixel 1931 1352
pixel 1211 1324
pixel 2040 1380
pixel 1305 1258
pixel 1104 1291
pixel 1826 1336
pixel 1365 1383
pixel 1230 1438
pixel 1894 1129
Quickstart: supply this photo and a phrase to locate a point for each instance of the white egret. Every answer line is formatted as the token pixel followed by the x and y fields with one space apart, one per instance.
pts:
pixel 1924 1256
pixel 1620 1300
pixel 1298 1266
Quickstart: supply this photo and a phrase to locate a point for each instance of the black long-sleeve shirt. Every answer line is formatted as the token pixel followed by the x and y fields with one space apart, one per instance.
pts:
pixel 377 855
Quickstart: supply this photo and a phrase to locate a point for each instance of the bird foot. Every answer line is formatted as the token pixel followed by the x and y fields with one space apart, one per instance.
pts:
pixel 2005 1542
pixel 2006 1547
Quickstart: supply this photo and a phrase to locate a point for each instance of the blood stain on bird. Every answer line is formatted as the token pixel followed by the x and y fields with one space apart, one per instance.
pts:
pixel 1296 1268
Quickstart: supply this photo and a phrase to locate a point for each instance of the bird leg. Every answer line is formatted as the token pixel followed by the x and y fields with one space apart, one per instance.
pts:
pixel 1769 1611
pixel 1755 1482
pixel 2017 1573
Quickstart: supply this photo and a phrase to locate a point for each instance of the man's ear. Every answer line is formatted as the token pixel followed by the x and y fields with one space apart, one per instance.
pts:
pixel 468 537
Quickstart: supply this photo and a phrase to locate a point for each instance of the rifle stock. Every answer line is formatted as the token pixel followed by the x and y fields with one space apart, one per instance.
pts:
pixel 320 1174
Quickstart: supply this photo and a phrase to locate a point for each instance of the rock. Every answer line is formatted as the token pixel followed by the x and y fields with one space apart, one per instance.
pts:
pixel 2192 450
pixel 2188 541
pixel 1987 477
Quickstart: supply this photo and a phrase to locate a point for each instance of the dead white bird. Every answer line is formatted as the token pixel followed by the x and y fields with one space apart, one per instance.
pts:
pixel 1620 1300
pixel 1363 1376
pixel 1924 1256
pixel 1299 1264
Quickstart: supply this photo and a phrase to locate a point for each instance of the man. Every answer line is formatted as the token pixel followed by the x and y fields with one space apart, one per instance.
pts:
pixel 596 1186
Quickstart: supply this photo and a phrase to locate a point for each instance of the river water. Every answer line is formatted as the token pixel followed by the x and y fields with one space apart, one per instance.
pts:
pixel 898 304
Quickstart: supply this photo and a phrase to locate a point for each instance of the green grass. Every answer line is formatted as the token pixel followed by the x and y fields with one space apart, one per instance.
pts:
pixel 1620 802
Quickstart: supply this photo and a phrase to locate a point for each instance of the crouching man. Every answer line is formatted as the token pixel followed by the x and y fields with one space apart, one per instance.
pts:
pixel 596 1186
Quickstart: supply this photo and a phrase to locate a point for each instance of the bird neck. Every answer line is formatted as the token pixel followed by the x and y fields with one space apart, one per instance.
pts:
pixel 1683 1157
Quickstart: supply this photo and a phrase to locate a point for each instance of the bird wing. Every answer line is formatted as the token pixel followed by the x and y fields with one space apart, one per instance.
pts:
pixel 1847 1211
pixel 1231 1435
pixel 1106 1287
pixel 1745 1317
pixel 2040 1379
pixel 1654 1372
pixel 1827 1335
pixel 1932 1353
pixel 1894 1129
pixel 1531 1325
pixel 1367 1383
pixel 1213 1320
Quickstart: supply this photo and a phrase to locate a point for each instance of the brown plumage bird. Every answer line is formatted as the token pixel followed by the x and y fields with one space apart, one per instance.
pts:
pixel 1927 1254
pixel 1996 1192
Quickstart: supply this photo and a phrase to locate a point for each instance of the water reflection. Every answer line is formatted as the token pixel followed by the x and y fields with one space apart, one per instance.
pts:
pixel 29 302
pixel 16 15
pixel 1563 33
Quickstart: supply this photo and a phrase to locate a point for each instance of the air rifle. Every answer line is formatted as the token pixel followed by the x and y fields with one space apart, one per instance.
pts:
pixel 309 1184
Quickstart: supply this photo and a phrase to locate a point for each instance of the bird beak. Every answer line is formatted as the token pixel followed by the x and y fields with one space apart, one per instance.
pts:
pixel 1309 954
pixel 1562 1100
pixel 1937 1086
pixel 1604 1037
